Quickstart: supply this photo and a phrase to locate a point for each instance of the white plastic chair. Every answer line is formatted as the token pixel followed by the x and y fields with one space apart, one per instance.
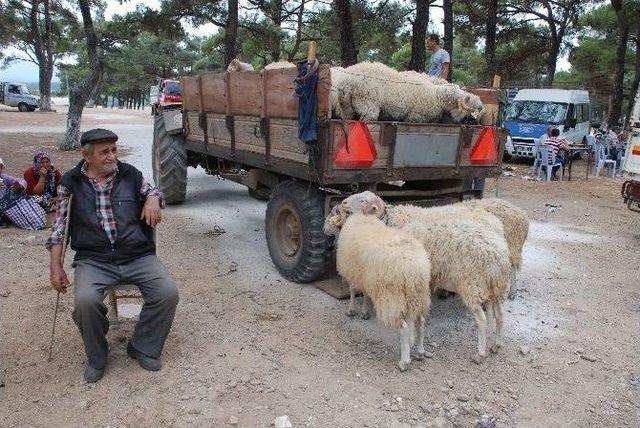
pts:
pixel 537 159
pixel 602 161
pixel 544 159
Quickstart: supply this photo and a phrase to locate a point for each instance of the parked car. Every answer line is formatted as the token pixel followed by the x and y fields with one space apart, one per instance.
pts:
pixel 17 95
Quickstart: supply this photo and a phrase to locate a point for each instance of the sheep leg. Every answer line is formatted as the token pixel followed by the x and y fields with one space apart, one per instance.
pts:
pixel 420 351
pixel 404 334
pixel 351 310
pixel 499 314
pixel 512 288
pixel 481 320
pixel 365 313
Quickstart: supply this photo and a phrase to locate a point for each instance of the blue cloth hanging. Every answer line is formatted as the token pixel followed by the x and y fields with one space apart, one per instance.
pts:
pixel 306 84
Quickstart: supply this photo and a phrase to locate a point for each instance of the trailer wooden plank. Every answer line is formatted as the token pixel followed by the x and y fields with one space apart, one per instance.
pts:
pixel 244 96
pixel 247 135
pixel 190 96
pixel 214 93
pixel 279 97
pixel 284 141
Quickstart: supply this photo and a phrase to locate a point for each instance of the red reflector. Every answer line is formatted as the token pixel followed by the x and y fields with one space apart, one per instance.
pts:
pixel 358 151
pixel 485 152
pixel 635 152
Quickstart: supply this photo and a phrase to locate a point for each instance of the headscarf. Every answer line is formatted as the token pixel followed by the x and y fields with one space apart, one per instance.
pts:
pixel 50 180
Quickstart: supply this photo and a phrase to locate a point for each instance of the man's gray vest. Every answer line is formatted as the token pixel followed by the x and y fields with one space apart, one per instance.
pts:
pixel 88 239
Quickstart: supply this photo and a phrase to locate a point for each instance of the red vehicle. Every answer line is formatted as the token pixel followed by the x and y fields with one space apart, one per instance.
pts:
pixel 166 95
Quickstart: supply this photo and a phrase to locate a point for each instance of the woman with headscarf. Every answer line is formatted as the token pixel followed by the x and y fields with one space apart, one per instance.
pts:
pixel 11 191
pixel 43 180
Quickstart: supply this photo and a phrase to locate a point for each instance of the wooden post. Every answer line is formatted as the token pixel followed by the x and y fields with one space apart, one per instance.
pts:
pixel 496 81
pixel 312 50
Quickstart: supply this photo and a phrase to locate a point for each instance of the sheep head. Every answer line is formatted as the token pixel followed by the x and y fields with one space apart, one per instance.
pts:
pixel 367 203
pixel 468 105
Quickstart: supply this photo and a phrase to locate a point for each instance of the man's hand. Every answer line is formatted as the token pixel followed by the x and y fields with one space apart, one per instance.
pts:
pixel 57 275
pixel 58 278
pixel 43 171
pixel 151 212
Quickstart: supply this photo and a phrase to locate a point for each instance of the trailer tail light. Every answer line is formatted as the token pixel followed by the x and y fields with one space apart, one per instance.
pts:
pixel 173 98
pixel 485 152
pixel 357 150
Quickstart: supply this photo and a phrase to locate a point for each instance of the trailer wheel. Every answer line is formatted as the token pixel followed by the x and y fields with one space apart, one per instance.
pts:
pixel 23 107
pixel 293 226
pixel 169 162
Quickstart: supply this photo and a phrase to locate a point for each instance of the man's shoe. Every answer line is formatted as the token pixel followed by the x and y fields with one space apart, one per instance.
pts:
pixel 145 361
pixel 92 375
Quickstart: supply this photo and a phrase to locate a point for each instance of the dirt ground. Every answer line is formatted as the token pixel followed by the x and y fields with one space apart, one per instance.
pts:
pixel 248 346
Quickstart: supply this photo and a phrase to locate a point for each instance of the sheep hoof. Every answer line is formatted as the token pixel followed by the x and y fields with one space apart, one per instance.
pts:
pixel 365 316
pixel 403 366
pixel 495 348
pixel 420 355
pixel 351 313
pixel 478 359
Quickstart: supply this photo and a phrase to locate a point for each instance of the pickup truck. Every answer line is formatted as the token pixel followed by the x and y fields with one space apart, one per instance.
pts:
pixel 243 126
pixel 17 95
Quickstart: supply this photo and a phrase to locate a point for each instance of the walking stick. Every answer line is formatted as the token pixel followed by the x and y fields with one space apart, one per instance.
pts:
pixel 64 251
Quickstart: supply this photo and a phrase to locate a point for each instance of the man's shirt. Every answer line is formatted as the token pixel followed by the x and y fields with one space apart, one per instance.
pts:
pixel 438 58
pixel 104 210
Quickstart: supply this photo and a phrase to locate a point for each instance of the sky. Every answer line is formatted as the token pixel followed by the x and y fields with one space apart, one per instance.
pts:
pixel 28 72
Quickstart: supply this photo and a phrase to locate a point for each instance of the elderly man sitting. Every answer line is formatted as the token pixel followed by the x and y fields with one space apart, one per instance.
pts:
pixel 112 215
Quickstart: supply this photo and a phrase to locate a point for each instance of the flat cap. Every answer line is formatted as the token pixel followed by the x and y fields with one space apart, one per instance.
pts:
pixel 97 135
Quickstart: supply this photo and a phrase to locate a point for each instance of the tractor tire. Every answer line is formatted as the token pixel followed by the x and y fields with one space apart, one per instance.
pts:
pixel 23 107
pixel 261 193
pixel 293 227
pixel 169 162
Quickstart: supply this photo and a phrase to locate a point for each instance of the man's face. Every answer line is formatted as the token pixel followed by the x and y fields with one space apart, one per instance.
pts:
pixel 103 158
pixel 431 44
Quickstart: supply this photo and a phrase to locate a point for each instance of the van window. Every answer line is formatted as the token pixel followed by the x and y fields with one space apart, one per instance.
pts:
pixel 579 112
pixel 537 112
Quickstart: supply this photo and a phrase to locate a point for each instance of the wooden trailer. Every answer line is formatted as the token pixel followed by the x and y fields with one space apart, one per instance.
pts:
pixel 243 126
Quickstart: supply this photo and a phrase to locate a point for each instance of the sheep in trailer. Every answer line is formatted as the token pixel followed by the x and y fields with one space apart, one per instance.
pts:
pixel 374 91
pixel 237 65
pixel 467 257
pixel 279 64
pixel 393 270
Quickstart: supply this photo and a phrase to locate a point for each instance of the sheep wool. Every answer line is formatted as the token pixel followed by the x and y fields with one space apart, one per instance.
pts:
pixel 374 91
pixel 279 64
pixel 391 268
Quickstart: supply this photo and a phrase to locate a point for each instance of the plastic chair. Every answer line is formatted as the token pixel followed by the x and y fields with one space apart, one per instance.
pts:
pixel 544 159
pixel 537 159
pixel 601 160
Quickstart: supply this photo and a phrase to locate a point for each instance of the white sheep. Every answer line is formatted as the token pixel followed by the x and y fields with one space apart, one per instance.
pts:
pixel 280 64
pixel 516 229
pixel 467 257
pixel 393 270
pixel 514 222
pixel 237 65
pixel 374 91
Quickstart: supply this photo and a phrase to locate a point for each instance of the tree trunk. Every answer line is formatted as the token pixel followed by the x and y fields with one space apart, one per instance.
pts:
pixel 636 78
pixel 552 60
pixel 276 17
pixel 490 43
pixel 41 39
pixel 615 101
pixel 419 36
pixel 80 92
pixel 348 52
pixel 230 32
pixel 447 7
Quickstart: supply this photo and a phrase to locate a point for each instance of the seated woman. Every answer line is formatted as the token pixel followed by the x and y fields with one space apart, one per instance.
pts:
pixel 11 190
pixel 43 180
